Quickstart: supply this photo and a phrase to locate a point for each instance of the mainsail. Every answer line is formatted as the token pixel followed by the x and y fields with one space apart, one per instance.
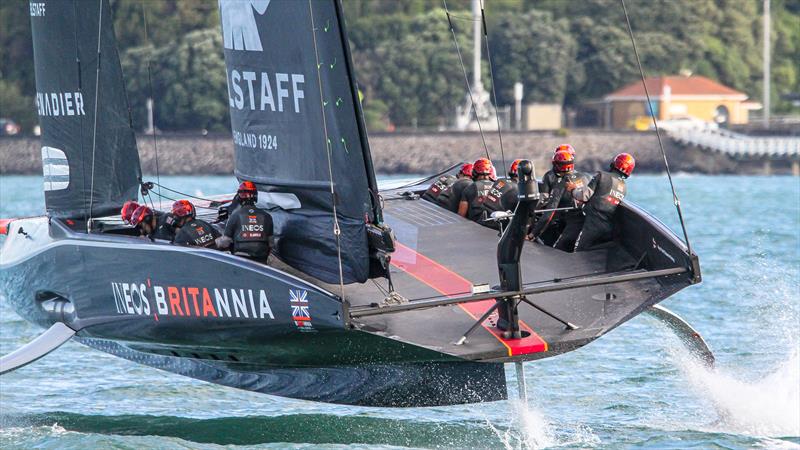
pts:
pixel 298 130
pixel 89 156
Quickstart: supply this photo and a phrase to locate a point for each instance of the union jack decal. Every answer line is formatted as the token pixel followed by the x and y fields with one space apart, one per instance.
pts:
pixel 298 299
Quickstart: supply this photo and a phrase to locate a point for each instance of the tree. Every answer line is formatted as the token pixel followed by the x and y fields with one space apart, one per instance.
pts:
pixel 533 49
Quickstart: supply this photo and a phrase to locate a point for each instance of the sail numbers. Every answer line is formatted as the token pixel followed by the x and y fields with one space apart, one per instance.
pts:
pixel 255 140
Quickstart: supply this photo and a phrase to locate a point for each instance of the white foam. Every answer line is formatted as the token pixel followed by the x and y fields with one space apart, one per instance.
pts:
pixel 769 406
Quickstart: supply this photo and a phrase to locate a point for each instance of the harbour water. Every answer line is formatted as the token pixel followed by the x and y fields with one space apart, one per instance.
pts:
pixel 633 388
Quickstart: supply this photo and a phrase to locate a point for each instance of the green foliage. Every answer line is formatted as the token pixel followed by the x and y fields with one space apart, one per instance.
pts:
pixel 188 82
pixel 565 51
pixel 16 106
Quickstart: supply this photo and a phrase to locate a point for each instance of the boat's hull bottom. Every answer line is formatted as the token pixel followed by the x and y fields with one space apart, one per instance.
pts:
pixel 384 385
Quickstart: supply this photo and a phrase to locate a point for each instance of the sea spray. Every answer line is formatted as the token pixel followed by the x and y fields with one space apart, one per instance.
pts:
pixel 766 407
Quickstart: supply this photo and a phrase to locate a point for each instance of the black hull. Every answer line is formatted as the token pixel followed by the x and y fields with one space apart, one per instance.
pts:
pixel 223 319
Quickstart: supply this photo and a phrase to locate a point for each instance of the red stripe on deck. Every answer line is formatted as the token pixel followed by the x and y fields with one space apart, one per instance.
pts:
pixel 452 284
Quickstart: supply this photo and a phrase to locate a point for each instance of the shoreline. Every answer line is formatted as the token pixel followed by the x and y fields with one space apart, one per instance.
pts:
pixel 425 152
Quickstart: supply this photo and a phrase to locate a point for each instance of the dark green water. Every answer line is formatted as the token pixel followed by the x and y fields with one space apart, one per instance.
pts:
pixel 630 389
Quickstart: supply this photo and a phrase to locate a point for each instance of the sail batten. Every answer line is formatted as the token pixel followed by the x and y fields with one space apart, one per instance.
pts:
pixel 90 167
pixel 297 129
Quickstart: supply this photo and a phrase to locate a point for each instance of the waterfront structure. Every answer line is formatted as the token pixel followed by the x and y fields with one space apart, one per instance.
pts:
pixel 675 97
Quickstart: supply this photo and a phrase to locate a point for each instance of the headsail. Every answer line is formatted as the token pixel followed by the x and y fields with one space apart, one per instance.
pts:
pixel 298 128
pixel 85 175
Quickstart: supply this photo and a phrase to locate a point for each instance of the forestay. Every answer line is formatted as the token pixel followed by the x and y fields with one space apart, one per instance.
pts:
pixel 298 129
pixel 85 174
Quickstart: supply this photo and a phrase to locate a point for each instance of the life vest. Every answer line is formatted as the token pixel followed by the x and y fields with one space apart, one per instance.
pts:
pixel 438 186
pixel 165 227
pixel 609 191
pixel 250 229
pixel 559 197
pixel 197 233
pixel 476 209
pixel 451 197
pixel 497 197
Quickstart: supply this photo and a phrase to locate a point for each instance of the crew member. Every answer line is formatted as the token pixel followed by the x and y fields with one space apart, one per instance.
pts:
pixel 153 225
pixel 471 204
pixel 438 187
pixel 191 230
pixel 502 195
pixel 249 227
pixel 127 211
pixel 450 197
pixel 602 196
pixel 553 224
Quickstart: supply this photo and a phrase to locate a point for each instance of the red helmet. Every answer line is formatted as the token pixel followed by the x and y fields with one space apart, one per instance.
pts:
pixel 565 148
pixel 512 171
pixel 624 164
pixel 247 190
pixel 183 208
pixel 483 166
pixel 466 169
pixel 141 214
pixel 127 210
pixel 563 162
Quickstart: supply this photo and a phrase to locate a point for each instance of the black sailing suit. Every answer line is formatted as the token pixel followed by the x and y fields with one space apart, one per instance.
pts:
pixel 197 233
pixel 451 197
pixel 502 196
pixel 560 227
pixel 250 228
pixel 475 194
pixel 440 185
pixel 602 196
pixel 165 227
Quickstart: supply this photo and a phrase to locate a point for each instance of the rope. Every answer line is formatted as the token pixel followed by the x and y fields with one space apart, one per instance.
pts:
pixel 336 229
pixel 675 198
pixel 182 193
pixel 94 127
pixel 152 99
pixel 466 78
pixel 494 91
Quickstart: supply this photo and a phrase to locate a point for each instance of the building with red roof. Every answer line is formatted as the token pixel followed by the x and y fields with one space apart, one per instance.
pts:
pixel 676 97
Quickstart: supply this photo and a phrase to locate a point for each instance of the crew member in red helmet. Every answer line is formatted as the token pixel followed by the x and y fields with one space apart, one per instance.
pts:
pixel 503 195
pixel 451 197
pixel 192 231
pixel 127 211
pixel 554 195
pixel 152 224
pixel 249 227
pixel 601 197
pixel 471 204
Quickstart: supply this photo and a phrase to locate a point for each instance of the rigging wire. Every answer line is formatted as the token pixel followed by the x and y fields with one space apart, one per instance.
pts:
pixel 675 198
pixel 94 127
pixel 494 91
pixel 336 229
pixel 183 193
pixel 152 99
pixel 466 78
pixel 80 89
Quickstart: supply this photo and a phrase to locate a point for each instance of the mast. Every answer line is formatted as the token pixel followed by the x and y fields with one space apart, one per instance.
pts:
pixel 476 46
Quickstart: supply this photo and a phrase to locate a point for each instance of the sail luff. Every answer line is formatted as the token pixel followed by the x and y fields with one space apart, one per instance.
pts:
pixel 362 127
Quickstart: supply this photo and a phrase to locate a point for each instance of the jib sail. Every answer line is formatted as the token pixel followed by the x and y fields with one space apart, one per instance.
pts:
pixel 297 127
pixel 86 174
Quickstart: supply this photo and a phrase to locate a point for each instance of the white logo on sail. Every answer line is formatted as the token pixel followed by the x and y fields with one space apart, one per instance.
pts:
pixel 239 29
pixel 55 168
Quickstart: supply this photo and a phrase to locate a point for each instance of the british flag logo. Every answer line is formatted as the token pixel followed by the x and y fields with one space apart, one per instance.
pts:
pixel 252 219
pixel 298 299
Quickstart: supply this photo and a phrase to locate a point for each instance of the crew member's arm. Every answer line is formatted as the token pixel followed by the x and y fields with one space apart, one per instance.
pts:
pixel 583 193
pixel 225 241
pixel 463 205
